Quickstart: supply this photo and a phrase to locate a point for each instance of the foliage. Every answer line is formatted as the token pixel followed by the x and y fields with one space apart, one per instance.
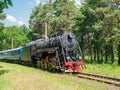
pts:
pixel 57 14
pixel 18 34
pixel 99 29
pixel 5 4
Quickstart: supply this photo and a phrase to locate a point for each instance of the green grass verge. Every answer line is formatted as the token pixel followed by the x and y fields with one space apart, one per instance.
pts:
pixel 112 70
pixel 18 77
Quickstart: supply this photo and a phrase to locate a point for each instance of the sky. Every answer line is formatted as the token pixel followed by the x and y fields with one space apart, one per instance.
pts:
pixel 19 14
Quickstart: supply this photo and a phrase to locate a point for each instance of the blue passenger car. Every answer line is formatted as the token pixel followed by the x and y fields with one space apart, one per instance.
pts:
pixel 12 54
pixel 1 55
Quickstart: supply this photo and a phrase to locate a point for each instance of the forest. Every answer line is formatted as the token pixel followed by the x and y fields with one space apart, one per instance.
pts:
pixel 95 23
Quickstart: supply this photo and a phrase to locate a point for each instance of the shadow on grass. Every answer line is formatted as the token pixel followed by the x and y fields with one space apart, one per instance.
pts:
pixel 3 71
pixel 1 66
pixel 30 65
pixel 54 71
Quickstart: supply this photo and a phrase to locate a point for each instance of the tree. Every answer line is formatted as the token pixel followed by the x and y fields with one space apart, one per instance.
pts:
pixel 18 34
pixel 100 20
pixel 117 2
pixel 58 14
pixel 1 34
pixel 119 53
pixel 3 4
pixel 65 10
pixel 40 15
pixel 85 27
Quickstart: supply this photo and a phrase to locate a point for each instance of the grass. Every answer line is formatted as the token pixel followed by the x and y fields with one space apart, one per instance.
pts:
pixel 112 70
pixel 18 77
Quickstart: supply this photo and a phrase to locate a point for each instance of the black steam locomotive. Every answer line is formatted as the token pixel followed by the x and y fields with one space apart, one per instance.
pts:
pixel 61 52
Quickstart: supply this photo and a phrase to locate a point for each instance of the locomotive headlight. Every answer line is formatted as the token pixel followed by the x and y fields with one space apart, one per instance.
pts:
pixel 80 57
pixel 68 58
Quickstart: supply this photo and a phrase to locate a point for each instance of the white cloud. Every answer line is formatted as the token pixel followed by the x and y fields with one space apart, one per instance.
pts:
pixel 14 20
pixel 37 2
pixel 11 18
pixel 21 23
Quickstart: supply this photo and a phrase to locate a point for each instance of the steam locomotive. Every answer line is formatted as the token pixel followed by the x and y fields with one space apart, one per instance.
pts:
pixel 60 52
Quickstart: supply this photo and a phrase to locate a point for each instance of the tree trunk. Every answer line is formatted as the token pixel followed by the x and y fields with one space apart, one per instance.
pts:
pixel 91 54
pixel 94 54
pixel 112 53
pixel 119 53
pixel 98 56
pixel 90 50
pixel 82 46
pixel 106 53
pixel 106 58
pixel 101 56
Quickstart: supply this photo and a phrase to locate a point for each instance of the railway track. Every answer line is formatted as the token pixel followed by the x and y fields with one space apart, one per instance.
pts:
pixel 105 79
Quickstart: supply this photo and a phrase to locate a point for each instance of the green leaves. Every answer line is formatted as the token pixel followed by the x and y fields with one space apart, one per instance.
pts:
pixel 58 14
pixel 101 18
pixel 18 34
pixel 5 4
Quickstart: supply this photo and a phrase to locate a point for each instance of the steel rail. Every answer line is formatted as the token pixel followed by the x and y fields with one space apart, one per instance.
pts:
pixel 100 78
